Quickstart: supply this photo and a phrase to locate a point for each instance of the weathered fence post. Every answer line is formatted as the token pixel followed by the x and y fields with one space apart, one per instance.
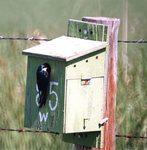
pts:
pixel 110 96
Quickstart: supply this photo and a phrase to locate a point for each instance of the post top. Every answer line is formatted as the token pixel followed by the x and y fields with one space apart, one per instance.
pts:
pixel 65 48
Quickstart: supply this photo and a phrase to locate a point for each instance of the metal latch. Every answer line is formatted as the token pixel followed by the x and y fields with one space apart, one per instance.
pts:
pixel 103 121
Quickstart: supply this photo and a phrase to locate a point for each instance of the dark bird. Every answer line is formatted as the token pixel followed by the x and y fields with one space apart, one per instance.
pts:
pixel 43 78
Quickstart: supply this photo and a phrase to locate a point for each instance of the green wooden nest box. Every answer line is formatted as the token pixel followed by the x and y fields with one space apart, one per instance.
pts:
pixel 75 98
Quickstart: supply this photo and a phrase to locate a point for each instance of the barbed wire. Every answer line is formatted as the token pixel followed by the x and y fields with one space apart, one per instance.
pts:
pixel 24 38
pixel 131 136
pixel 139 41
pixel 25 130
pixel 42 131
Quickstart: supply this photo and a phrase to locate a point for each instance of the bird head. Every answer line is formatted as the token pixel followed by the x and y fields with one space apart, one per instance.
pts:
pixel 46 67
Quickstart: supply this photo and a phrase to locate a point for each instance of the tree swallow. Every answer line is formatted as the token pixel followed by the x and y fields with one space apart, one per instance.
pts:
pixel 43 79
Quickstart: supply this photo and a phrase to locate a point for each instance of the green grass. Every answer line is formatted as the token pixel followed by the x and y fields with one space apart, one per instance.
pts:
pixel 131 107
pixel 50 17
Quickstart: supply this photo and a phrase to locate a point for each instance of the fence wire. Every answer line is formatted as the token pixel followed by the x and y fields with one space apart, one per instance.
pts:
pixel 139 41
pixel 24 38
pixel 23 130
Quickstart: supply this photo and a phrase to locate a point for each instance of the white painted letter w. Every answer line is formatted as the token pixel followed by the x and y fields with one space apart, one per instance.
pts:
pixel 43 116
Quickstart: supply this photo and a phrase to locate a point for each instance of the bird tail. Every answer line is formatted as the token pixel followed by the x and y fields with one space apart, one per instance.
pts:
pixel 42 99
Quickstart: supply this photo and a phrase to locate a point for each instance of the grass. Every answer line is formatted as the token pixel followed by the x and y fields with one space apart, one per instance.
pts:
pixel 131 109
pixel 131 101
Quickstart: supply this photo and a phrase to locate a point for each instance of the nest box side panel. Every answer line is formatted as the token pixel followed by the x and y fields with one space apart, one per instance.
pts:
pixel 50 116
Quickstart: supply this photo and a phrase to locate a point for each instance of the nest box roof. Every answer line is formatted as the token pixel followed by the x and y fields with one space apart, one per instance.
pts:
pixel 65 48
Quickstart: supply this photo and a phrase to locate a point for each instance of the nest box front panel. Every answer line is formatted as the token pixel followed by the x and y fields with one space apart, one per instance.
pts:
pixel 44 96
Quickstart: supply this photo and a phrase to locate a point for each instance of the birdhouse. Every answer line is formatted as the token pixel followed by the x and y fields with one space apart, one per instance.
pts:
pixel 65 84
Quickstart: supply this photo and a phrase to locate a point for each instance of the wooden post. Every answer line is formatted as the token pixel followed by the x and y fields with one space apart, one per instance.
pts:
pixel 110 96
